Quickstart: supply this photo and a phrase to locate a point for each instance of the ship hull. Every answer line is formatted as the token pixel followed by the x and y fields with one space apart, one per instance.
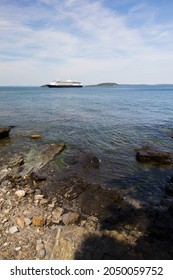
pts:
pixel 64 86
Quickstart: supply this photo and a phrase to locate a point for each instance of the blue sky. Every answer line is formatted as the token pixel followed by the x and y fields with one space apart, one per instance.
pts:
pixel 123 41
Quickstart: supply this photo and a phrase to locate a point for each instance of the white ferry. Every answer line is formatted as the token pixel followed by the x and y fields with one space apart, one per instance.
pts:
pixel 64 84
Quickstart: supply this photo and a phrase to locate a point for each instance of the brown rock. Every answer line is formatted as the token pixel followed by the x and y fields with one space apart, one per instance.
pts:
pixel 38 221
pixel 21 222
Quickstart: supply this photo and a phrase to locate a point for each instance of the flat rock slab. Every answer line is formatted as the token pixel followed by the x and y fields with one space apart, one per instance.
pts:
pixel 154 156
pixel 37 159
pixel 4 132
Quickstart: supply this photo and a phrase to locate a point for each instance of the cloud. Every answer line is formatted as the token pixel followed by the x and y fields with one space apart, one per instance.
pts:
pixel 85 40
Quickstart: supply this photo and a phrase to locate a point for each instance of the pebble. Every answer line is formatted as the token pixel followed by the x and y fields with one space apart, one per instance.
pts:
pixel 21 222
pixel 70 218
pixel 44 201
pixel 56 215
pixel 38 196
pixel 13 229
pixel 40 249
pixel 18 248
pixel 39 246
pixel 41 254
pixel 4 220
pixel 27 221
pixel 38 221
pixel 20 193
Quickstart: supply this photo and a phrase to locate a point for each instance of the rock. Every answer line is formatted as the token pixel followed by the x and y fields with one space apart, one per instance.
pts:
pixel 44 201
pixel 13 229
pixel 91 162
pixel 21 222
pixel 18 248
pixel 35 136
pixel 56 215
pixel 153 156
pixel 39 246
pixel 38 221
pixel 38 196
pixel 20 193
pixel 37 159
pixel 61 244
pixel 40 249
pixel 41 254
pixel 3 173
pixel 70 218
pixel 169 189
pixel 27 221
pixel 4 132
pixel 17 161
pixel 37 177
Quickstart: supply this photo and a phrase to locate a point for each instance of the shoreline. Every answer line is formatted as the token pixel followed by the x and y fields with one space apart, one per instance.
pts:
pixel 43 205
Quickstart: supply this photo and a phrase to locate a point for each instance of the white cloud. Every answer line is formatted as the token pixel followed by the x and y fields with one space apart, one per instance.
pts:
pixel 83 40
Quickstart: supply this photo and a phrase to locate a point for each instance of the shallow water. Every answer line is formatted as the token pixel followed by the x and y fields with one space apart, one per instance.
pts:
pixel 108 122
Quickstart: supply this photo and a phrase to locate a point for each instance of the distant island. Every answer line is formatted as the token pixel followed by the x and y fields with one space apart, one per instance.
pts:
pixel 104 85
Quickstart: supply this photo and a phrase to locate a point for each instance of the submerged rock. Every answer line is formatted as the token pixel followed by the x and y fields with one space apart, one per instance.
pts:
pixel 4 132
pixel 35 136
pixel 153 156
pixel 169 189
pixel 37 159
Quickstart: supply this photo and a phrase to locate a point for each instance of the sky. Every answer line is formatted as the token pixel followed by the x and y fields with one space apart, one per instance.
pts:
pixel 91 41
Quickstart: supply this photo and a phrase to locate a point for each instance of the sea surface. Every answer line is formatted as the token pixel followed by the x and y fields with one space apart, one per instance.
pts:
pixel 109 122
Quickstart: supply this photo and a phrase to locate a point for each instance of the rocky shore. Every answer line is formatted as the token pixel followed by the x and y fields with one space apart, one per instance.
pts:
pixel 50 211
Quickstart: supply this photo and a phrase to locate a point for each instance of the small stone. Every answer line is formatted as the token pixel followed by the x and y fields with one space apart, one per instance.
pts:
pixel 4 220
pixel 39 247
pixel 18 248
pixel 21 222
pixel 38 196
pixel 52 205
pixel 38 221
pixel 41 254
pixel 35 136
pixel 39 241
pixel 6 211
pixel 37 177
pixel 27 221
pixel 13 229
pixel 56 215
pixel 70 218
pixel 44 201
pixel 30 191
pixel 20 193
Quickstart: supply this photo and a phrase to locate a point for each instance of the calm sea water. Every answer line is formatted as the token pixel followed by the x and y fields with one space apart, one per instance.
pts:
pixel 109 122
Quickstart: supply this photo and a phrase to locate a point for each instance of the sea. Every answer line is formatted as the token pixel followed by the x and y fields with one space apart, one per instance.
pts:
pixel 109 122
